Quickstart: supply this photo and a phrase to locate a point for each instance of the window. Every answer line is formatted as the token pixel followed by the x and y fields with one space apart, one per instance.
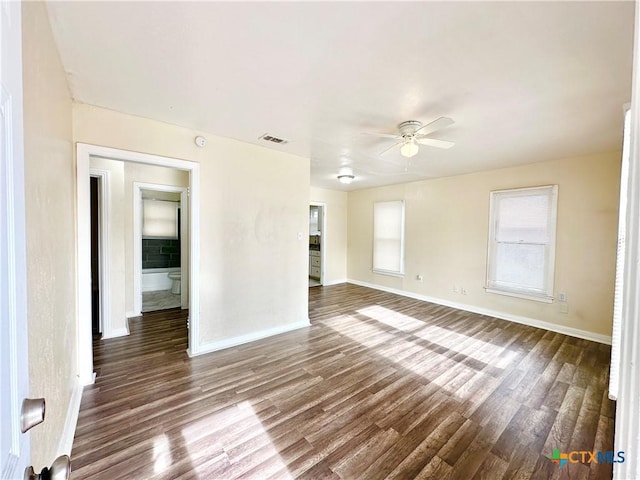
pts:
pixel 159 219
pixel 388 237
pixel 522 231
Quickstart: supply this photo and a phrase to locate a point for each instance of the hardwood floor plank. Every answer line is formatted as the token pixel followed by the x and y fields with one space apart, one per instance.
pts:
pixel 380 386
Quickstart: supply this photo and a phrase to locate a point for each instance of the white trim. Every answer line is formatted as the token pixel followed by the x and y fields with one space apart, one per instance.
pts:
pixel 335 282
pixel 83 231
pixel 532 322
pixel 66 440
pixel 388 273
pixel 132 314
pixel 137 235
pixel 251 337
pixel 527 296
pixel 120 332
pixel 104 252
pixel 627 425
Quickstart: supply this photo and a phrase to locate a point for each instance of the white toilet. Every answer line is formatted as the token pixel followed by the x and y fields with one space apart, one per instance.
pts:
pixel 175 278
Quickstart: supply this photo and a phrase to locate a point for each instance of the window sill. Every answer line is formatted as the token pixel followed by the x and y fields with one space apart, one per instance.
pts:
pixel 526 296
pixel 388 273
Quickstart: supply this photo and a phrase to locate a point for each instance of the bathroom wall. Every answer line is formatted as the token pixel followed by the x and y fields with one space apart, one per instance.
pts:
pixel 160 253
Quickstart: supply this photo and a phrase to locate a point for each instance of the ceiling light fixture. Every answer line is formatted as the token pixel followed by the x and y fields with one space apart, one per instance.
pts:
pixel 409 149
pixel 346 179
pixel 346 175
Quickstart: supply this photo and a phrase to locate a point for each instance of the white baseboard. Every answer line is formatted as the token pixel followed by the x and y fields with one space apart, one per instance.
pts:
pixel 532 322
pixel 334 282
pixel 118 332
pixel 132 314
pixel 66 440
pixel 249 337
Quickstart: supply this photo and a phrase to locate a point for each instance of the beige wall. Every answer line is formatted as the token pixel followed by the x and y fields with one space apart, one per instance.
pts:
pixel 335 238
pixel 254 201
pixel 50 230
pixel 447 229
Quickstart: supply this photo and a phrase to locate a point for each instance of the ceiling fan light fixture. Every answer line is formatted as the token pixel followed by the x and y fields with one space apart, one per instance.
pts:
pixel 409 149
pixel 346 178
pixel 345 175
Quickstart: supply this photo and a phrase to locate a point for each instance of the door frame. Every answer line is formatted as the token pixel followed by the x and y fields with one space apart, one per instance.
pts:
pixel 323 239
pixel 137 238
pixel 84 152
pixel 103 249
pixel 15 448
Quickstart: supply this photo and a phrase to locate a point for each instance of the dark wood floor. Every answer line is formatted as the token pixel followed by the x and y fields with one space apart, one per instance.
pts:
pixel 380 386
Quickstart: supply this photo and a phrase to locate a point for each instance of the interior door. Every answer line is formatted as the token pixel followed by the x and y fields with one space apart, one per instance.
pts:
pixel 14 380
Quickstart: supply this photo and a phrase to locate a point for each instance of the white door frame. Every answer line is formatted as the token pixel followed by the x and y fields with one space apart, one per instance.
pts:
pixel 83 227
pixel 627 425
pixel 323 240
pixel 103 249
pixel 137 237
pixel 14 351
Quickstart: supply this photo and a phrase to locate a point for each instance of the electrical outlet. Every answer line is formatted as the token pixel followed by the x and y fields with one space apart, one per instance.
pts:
pixel 562 297
pixel 419 277
pixel 463 291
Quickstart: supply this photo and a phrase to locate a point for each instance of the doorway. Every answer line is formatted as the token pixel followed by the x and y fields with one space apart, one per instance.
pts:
pixel 83 201
pixel 317 243
pixel 96 321
pixel 160 247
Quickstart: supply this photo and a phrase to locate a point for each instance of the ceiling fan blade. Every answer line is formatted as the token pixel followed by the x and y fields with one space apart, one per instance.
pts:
pixel 383 135
pixel 432 142
pixel 391 147
pixel 435 125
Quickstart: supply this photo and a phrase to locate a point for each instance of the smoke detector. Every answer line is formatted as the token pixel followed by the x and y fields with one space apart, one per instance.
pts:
pixel 270 138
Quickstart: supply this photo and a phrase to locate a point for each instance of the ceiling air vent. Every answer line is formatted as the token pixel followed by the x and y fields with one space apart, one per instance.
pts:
pixel 271 138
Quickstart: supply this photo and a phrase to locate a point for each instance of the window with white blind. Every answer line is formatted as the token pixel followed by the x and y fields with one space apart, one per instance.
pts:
pixel 522 238
pixel 159 219
pixel 388 237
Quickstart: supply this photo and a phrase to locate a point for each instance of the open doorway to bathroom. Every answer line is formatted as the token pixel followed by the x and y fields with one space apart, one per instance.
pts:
pixel 160 240
pixel 317 234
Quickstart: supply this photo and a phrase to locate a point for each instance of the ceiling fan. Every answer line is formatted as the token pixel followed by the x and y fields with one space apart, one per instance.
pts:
pixel 413 133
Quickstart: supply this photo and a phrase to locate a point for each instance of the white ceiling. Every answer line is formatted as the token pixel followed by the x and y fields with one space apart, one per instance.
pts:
pixel 524 82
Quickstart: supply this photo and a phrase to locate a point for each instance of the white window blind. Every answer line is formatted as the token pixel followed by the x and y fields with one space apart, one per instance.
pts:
pixel 388 237
pixel 159 219
pixel 616 331
pixel 522 242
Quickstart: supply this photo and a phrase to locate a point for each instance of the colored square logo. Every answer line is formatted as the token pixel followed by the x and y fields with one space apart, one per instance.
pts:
pixel 559 458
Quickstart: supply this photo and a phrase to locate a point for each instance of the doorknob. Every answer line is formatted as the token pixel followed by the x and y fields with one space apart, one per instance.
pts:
pixel 60 470
pixel 32 413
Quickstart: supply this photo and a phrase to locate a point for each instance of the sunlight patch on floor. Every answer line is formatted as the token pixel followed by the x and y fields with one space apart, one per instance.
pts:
pixel 239 443
pixel 161 454
pixel 470 346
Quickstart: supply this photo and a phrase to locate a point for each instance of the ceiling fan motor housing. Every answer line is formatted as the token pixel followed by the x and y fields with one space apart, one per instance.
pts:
pixel 409 127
